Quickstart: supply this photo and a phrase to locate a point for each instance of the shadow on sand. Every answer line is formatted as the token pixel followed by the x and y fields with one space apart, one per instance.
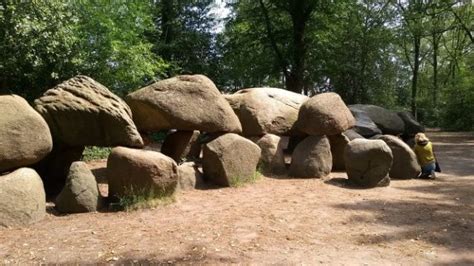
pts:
pixel 446 221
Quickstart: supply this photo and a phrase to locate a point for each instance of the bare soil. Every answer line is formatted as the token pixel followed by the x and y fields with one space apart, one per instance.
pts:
pixel 282 221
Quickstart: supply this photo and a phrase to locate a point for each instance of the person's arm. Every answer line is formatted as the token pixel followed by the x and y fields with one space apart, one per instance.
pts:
pixel 433 152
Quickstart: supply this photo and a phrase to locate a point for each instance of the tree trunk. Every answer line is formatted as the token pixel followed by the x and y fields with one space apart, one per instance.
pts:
pixel 300 11
pixel 435 68
pixel 7 16
pixel 167 19
pixel 299 48
pixel 416 66
pixel 282 62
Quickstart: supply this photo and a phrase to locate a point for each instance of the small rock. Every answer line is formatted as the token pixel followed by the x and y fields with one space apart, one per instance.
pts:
pixel 189 176
pixel 368 162
pixel 133 171
pixel 312 158
pixel 80 194
pixel 230 160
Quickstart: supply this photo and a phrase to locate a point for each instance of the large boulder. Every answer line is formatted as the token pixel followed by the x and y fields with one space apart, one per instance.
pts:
pixel 411 125
pixel 405 165
pixel 22 198
pixel 311 158
pixel 364 125
pixel 272 160
pixel 230 160
pixel 82 112
pixel 368 162
pixel 182 145
pixel 189 176
pixel 24 135
pixel 187 102
pixel 324 114
pixel 132 172
pixel 388 121
pixel 80 194
pixel 266 110
pixel 338 144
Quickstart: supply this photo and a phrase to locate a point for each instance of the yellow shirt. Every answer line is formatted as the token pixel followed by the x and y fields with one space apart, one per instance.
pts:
pixel 424 154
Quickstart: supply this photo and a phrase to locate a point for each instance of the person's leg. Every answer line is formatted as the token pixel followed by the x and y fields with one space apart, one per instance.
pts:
pixel 423 174
pixel 433 172
pixel 428 170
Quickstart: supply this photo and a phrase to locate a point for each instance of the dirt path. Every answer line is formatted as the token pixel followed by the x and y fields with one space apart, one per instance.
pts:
pixel 284 221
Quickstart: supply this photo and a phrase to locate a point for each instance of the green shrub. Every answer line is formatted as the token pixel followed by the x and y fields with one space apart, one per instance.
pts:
pixel 95 153
pixel 145 198
pixel 458 109
pixel 239 181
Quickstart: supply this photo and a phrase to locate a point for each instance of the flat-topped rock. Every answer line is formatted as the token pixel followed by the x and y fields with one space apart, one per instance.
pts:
pixel 364 125
pixel 411 125
pixel 324 114
pixel 187 102
pixel 82 112
pixel 386 120
pixel 266 110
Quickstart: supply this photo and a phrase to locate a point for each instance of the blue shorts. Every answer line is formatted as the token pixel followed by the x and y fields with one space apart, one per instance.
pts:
pixel 428 168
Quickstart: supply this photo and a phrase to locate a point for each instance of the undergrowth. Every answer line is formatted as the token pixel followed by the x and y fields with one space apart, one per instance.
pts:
pixel 239 181
pixel 92 153
pixel 144 198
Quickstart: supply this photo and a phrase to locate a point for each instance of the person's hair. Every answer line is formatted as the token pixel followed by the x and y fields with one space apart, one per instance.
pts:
pixel 421 137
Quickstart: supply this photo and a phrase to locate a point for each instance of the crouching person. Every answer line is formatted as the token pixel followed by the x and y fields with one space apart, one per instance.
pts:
pixel 424 153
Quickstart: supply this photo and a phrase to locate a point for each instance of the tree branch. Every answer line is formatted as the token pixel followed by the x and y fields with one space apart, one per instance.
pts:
pixel 407 55
pixel 463 26
pixel 268 25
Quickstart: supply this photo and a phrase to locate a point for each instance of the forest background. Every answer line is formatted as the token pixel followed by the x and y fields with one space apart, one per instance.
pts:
pixel 415 55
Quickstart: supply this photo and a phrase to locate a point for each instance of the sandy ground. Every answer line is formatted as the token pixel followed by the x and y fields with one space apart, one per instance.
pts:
pixel 281 221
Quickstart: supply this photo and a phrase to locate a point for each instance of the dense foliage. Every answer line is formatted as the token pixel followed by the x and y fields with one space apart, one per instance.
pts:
pixel 45 42
pixel 411 54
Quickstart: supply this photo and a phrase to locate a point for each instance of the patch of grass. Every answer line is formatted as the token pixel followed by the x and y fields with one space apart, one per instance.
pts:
pixel 144 198
pixel 95 153
pixel 239 181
